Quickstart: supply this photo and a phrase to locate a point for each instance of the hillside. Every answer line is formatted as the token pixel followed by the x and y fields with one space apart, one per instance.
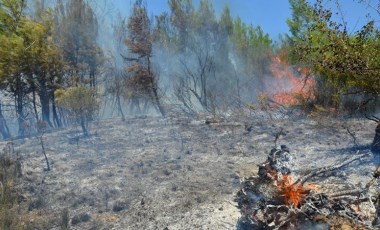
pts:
pixel 179 173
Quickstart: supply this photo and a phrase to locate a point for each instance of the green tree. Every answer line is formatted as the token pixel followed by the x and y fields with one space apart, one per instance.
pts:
pixel 81 104
pixel 17 38
pixel 77 32
pixel 46 68
pixel 182 19
pixel 114 65
pixel 226 22
pixel 30 61
pixel 205 23
pixel 344 63
pixel 163 32
pixel 254 49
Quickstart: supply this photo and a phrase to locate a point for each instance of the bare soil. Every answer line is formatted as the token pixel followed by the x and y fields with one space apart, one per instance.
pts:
pixel 175 173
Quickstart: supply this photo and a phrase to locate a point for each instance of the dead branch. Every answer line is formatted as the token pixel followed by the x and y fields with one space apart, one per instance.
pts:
pixel 372 118
pixel 376 175
pixel 353 135
pixel 319 171
pixel 352 192
pixel 277 135
pixel 44 152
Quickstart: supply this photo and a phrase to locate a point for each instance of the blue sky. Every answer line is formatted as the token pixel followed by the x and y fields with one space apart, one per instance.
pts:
pixel 271 15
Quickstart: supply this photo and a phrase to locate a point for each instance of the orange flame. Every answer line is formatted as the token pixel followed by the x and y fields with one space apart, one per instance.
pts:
pixel 291 87
pixel 293 193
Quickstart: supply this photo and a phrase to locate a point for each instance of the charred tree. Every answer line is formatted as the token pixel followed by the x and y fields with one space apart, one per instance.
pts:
pixel 141 82
pixel 194 83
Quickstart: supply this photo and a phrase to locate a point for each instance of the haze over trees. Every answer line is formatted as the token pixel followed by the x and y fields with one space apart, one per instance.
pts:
pixel 187 59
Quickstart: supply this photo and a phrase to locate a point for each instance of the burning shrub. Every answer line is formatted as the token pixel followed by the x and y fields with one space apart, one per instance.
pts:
pixel 273 201
pixel 291 87
pixel 293 193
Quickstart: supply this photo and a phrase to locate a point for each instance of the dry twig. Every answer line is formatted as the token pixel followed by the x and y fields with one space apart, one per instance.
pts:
pixel 322 170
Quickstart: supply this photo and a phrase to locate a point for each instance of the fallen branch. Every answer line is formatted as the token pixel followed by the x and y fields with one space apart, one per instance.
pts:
pixel 353 135
pixel 319 171
pixel 352 192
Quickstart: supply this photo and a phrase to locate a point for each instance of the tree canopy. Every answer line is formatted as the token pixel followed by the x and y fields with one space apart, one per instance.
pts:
pixel 345 63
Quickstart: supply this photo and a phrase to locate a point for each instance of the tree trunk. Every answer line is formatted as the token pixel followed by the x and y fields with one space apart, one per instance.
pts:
pixel 375 146
pixel 120 109
pixel 20 115
pixel 154 90
pixel 157 99
pixel 92 77
pixel 3 126
pixel 45 101
pixel 134 107
pixel 34 104
pixel 56 118
pixel 83 124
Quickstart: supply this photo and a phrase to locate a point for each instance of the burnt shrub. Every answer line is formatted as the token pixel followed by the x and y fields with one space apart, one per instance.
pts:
pixel 81 217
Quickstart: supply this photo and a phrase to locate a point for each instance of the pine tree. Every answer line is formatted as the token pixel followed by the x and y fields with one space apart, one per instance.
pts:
pixel 142 81
pixel 77 29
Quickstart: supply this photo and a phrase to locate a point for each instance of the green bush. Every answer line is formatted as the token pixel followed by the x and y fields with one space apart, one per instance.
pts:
pixel 80 103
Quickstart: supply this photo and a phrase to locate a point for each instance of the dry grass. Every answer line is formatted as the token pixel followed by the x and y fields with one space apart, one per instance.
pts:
pixel 13 205
pixel 10 172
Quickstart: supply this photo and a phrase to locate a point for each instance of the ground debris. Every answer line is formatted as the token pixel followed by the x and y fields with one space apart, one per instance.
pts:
pixel 272 200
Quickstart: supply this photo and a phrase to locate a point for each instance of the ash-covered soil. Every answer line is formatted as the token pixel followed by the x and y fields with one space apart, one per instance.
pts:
pixel 178 173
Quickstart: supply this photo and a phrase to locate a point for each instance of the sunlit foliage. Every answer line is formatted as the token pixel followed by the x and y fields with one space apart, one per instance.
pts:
pixel 80 102
pixel 346 63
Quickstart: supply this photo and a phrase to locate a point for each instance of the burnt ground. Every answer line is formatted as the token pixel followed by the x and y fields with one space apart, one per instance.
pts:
pixel 174 173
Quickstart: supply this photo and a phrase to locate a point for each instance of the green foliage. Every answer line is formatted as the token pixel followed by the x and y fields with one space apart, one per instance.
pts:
pixel 344 63
pixel 11 12
pixel 226 22
pixel 77 34
pixel 205 23
pixel 253 45
pixel 80 102
pixel 182 21
pixel 29 57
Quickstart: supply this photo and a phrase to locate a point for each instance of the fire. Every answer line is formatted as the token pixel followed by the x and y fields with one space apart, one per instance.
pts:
pixel 291 87
pixel 293 193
